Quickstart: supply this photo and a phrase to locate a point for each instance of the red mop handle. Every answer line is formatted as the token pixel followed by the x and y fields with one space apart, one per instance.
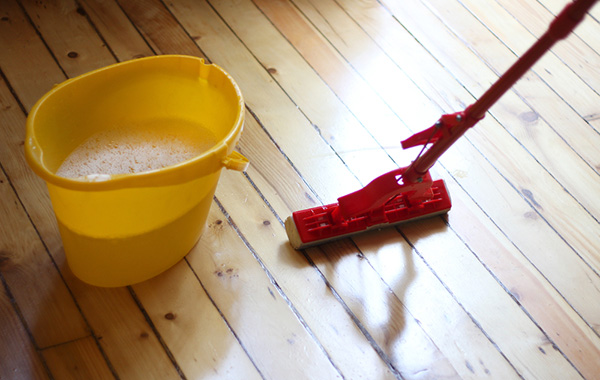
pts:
pixel 450 127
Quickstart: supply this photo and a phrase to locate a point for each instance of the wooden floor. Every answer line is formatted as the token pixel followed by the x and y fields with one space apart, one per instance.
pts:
pixel 506 286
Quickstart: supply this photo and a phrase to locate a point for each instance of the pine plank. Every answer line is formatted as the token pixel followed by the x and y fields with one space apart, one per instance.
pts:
pixel 28 79
pixel 346 274
pixel 566 329
pixel 272 173
pixel 193 329
pixel 20 358
pixel 538 138
pixel 574 49
pixel 244 293
pixel 20 43
pixel 391 320
pixel 273 180
pixel 322 107
pixel 532 20
pixel 459 337
pixel 491 309
pixel 47 306
pixel 71 38
pixel 331 324
pixel 116 29
pixel 79 359
pixel 403 100
pixel 43 298
pixel 557 110
pixel 160 29
pixel 350 276
pixel 126 337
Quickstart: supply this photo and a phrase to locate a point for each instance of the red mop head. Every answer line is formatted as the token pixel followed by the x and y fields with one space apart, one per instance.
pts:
pixel 322 224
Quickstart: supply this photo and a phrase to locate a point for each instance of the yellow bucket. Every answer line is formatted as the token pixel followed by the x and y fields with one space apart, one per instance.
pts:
pixel 120 229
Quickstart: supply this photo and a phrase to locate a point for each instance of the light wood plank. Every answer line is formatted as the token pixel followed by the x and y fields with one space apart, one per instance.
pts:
pixel 273 172
pixel 348 132
pixel 244 293
pixel 567 330
pixel 491 309
pixel 28 79
pixel 534 135
pixel 397 326
pixel 191 326
pixel 116 29
pixel 459 336
pixel 20 358
pixel 79 359
pixel 403 101
pixel 160 29
pixel 131 346
pixel 472 342
pixel 43 298
pixel 335 330
pixel 270 176
pixel 525 21
pixel 71 38
pixel 19 43
pixel 556 107
pixel 47 306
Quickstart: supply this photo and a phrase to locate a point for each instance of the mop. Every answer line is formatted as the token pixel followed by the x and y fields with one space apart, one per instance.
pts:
pixel 409 193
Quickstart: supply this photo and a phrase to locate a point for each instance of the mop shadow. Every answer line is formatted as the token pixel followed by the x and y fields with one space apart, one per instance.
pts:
pixel 371 274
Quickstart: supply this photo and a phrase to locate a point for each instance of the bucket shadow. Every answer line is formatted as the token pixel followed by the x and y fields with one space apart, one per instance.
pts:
pixel 138 329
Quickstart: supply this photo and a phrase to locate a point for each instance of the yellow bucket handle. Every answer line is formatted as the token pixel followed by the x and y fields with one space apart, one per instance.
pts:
pixel 235 161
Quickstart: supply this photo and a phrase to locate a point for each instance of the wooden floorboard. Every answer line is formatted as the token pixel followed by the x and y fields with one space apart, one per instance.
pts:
pixel 506 286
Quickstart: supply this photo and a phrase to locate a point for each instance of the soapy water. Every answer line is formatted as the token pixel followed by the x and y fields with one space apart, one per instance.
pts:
pixel 123 151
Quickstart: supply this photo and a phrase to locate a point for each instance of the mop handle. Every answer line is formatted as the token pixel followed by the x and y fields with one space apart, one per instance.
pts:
pixel 455 127
pixel 560 28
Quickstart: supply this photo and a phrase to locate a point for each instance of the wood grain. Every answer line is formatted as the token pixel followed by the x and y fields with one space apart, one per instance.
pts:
pixel 19 353
pixel 503 287
pixel 44 300
pixel 79 359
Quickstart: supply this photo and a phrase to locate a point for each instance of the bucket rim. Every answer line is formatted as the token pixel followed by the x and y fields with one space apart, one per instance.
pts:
pixel 168 175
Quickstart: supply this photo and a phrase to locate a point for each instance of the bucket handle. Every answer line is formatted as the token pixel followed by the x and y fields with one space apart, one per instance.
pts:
pixel 235 161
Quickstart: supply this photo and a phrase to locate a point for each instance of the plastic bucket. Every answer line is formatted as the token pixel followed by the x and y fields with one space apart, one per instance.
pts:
pixel 125 228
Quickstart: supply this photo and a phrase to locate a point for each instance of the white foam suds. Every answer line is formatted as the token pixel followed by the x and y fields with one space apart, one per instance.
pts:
pixel 121 151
